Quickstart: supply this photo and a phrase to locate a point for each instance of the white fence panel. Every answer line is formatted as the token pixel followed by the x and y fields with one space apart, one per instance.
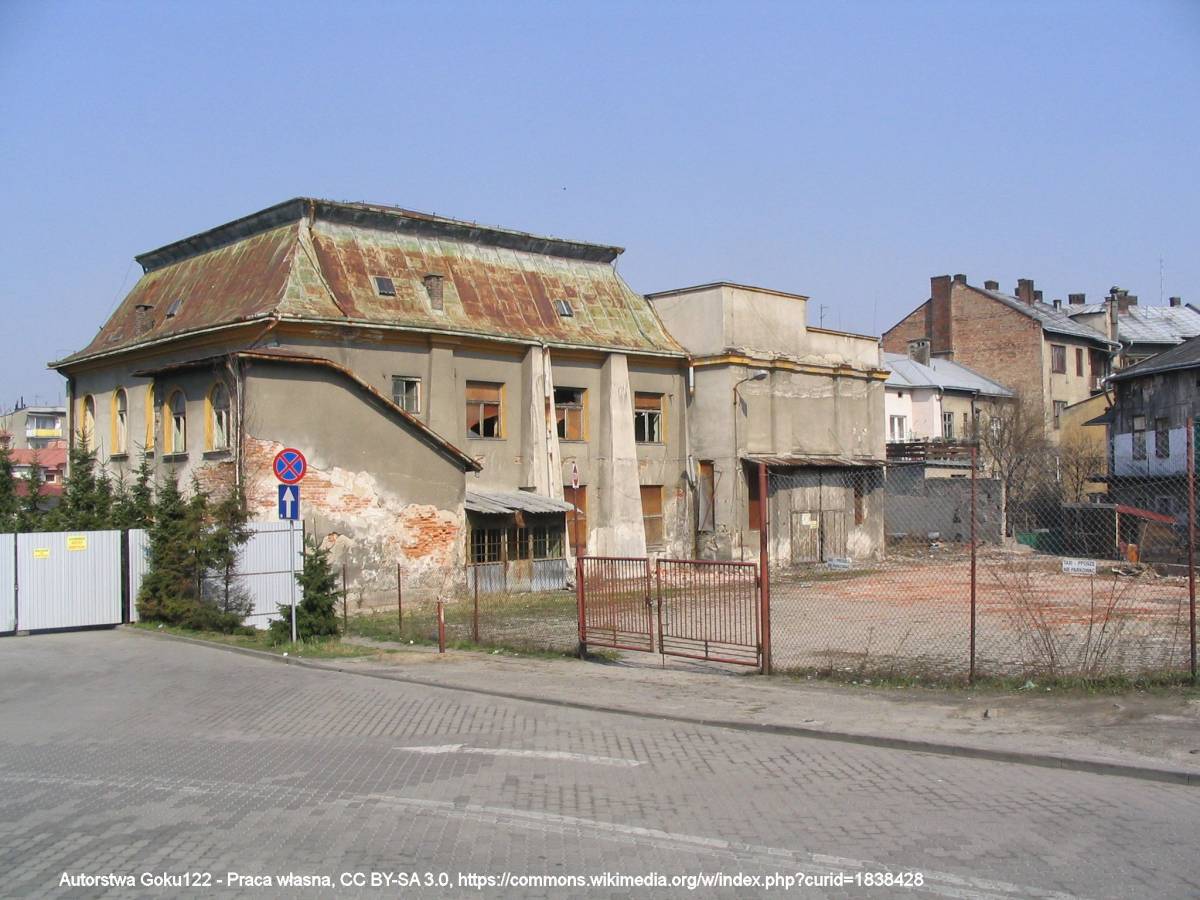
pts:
pixel 8 583
pixel 68 579
pixel 265 567
pixel 139 563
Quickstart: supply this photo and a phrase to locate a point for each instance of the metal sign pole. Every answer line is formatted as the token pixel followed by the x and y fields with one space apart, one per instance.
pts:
pixel 292 567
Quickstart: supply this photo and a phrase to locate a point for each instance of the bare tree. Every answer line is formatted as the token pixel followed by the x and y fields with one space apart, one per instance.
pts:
pixel 1080 462
pixel 1012 438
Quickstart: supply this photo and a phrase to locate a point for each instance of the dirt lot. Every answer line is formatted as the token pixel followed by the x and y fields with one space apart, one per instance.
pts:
pixel 912 613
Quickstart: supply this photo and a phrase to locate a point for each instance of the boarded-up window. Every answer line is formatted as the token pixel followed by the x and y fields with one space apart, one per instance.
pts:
pixel 753 502
pixel 652 515
pixel 706 496
pixel 648 418
pixel 484 412
pixel 577 533
pixel 1058 359
pixel 568 411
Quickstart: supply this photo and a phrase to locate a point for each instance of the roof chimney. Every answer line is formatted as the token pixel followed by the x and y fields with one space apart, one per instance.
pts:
pixel 143 321
pixel 991 285
pixel 1123 302
pixel 1057 302
pixel 1025 290
pixel 1037 296
pixel 1133 299
pixel 941 319
pixel 1077 299
pixel 918 351
pixel 1175 301
pixel 433 287
pixel 960 279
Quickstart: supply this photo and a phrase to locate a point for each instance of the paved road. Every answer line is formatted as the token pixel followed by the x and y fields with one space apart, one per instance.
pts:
pixel 123 754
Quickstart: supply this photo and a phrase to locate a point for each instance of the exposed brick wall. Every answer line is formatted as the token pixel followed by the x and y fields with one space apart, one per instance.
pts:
pixel 913 326
pixel 997 340
pixel 216 478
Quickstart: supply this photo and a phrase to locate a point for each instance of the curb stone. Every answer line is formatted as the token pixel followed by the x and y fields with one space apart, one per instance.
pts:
pixel 1017 757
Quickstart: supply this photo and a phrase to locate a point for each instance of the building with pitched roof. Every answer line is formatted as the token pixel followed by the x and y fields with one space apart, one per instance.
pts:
pixel 1033 348
pixel 443 378
pixel 1142 331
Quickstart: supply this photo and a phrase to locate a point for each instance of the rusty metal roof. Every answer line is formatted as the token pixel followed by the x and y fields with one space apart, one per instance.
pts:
pixel 316 260
pixel 507 502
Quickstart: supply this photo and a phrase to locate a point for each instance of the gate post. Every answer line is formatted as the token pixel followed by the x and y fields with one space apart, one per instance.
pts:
pixel 580 600
pixel 764 578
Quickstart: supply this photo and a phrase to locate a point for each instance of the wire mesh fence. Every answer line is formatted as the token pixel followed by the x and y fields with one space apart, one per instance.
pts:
pixel 948 569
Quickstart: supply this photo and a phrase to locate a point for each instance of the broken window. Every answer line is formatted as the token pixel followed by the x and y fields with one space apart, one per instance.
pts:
pixel 406 393
pixel 485 545
pixel 1162 438
pixel 178 434
pixel 1139 437
pixel 652 514
pixel 706 496
pixel 484 402
pixel 219 405
pixel 1058 359
pixel 647 418
pixel 568 411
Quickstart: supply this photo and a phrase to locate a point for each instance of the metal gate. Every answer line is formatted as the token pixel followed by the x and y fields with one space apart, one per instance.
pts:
pixel 698 609
pixel 8 583
pixel 68 579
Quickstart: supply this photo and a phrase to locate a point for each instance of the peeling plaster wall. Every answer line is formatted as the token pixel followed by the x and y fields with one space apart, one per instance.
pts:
pixel 618 501
pixel 375 493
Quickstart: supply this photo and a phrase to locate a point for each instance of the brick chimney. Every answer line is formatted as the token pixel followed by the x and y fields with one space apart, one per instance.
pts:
pixel 1123 302
pixel 143 319
pixel 991 285
pixel 941 319
pixel 918 351
pixel 1077 299
pixel 1112 306
pixel 433 287
pixel 1175 301
pixel 1037 296
pixel 1025 290
pixel 960 279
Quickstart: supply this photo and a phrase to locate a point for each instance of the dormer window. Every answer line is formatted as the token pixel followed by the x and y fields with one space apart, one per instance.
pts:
pixel 564 308
pixel 384 286
pixel 433 287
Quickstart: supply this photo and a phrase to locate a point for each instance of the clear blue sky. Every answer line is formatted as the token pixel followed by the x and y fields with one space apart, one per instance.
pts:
pixel 843 150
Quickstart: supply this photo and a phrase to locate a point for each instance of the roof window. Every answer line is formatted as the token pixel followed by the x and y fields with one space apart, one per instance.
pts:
pixel 564 308
pixel 173 309
pixel 384 286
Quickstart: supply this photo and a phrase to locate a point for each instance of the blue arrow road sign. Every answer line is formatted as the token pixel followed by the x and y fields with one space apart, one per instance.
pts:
pixel 289 501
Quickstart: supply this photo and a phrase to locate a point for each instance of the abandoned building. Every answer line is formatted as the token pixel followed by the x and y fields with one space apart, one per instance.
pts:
pixel 443 379
pixel 807 403
pixel 1033 348
pixel 1142 331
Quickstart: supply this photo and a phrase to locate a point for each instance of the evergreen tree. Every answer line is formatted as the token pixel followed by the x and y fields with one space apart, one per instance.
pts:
pixel 225 538
pixel 10 504
pixel 30 516
pixel 87 503
pixel 315 613
pixel 140 510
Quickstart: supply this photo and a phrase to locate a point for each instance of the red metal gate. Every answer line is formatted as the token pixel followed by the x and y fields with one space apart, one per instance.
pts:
pixel 617 610
pixel 699 609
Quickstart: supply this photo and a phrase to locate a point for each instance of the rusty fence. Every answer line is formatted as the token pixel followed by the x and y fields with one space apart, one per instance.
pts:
pixel 954 569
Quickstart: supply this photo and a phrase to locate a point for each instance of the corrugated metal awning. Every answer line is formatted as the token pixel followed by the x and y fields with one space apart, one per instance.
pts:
pixel 500 503
pixel 820 462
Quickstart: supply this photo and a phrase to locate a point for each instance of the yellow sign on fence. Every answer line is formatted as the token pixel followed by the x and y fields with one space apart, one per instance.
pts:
pixel 76 542
pixel 41 552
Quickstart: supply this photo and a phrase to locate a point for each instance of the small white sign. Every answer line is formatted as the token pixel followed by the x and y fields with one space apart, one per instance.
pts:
pixel 1079 567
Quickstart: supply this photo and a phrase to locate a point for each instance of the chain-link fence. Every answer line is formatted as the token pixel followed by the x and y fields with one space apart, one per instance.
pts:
pixel 945 569
pixel 485 610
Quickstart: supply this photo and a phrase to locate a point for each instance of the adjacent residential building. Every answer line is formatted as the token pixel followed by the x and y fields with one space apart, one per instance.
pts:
pixel 768 389
pixel 1155 403
pixel 932 401
pixel 33 427
pixel 1142 331
pixel 51 462
pixel 443 378
pixel 1033 348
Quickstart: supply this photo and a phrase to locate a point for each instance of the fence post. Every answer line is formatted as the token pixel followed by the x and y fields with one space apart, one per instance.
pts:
pixel 974 462
pixel 441 616
pixel 1191 556
pixel 345 602
pixel 399 605
pixel 764 577
pixel 475 609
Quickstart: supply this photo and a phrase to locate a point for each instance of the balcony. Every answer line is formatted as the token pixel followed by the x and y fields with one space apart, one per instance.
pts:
pixel 928 450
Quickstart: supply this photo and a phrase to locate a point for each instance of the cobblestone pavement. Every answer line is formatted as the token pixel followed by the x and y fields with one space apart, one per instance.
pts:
pixel 126 755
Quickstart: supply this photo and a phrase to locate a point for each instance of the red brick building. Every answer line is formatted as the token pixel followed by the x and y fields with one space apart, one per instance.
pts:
pixel 1031 346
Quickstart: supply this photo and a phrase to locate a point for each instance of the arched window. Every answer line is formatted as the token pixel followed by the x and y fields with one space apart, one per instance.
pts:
pixel 176 433
pixel 218 418
pixel 120 421
pixel 87 424
pixel 150 417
